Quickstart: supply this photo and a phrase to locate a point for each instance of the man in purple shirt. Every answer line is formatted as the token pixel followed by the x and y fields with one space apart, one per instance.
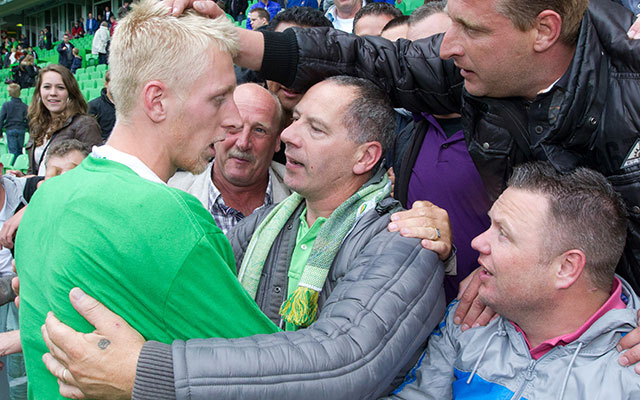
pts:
pixel 432 163
pixel 435 165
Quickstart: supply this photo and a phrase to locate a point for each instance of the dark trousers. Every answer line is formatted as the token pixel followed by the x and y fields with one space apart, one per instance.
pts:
pixel 15 142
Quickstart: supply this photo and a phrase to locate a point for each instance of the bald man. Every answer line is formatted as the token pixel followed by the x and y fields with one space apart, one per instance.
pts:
pixel 242 178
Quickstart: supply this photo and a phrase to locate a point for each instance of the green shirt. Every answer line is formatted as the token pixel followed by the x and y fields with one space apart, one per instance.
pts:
pixel 304 243
pixel 150 253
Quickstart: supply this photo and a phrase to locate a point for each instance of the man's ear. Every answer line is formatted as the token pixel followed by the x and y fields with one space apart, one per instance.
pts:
pixel 154 98
pixel 548 26
pixel 570 268
pixel 278 144
pixel 367 156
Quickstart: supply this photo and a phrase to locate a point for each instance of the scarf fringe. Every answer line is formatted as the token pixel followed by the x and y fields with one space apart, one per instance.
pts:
pixel 301 307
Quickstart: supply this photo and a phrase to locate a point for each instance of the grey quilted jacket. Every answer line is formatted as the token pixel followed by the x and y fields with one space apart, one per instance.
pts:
pixel 494 362
pixel 382 298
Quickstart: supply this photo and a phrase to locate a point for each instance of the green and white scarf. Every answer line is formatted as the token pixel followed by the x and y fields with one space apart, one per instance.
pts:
pixel 301 307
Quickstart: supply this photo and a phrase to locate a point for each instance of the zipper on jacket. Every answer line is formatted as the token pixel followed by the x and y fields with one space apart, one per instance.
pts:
pixel 528 377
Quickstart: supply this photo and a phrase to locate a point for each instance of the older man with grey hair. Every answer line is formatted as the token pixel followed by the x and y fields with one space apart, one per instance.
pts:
pixel 242 178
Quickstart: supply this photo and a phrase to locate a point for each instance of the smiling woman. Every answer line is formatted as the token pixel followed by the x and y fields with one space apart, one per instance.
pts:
pixel 57 112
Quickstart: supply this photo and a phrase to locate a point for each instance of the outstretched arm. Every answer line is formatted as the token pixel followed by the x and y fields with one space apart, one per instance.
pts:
pixel 412 73
pixel 251 43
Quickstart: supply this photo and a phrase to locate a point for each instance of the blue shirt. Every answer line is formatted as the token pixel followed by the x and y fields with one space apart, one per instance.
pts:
pixel 273 7
pixel 303 3
pixel 92 26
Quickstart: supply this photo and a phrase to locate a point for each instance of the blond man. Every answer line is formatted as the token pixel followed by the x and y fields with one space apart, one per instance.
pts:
pixel 151 252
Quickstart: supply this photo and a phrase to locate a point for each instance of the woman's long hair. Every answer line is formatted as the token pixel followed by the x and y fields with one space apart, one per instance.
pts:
pixel 27 61
pixel 41 122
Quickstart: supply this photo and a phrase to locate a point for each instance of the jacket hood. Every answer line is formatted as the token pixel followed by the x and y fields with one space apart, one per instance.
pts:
pixel 600 337
pixel 14 188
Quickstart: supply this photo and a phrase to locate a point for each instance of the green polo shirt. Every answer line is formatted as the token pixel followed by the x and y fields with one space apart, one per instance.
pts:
pixel 304 243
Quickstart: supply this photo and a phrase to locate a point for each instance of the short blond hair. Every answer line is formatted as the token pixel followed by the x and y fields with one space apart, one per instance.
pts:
pixel 149 44
pixel 14 90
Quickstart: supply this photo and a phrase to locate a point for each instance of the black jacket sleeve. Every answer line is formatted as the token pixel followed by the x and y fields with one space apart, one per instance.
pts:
pixel 412 73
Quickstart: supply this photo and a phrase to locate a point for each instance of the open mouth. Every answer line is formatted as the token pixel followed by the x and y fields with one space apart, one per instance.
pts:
pixel 465 72
pixel 293 162
pixel 289 93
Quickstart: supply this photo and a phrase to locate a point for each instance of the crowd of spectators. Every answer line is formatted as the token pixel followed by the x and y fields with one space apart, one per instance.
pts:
pixel 327 177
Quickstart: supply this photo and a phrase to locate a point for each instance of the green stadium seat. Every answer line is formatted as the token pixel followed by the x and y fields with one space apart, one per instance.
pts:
pixel 21 163
pixel 7 161
pixel 97 75
pixel 98 83
pixel 102 68
pixel 82 77
pixel 91 59
pixel 86 84
pixel 91 68
pixel 94 93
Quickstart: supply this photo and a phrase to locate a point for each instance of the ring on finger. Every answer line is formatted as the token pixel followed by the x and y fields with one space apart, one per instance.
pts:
pixel 438 236
pixel 64 375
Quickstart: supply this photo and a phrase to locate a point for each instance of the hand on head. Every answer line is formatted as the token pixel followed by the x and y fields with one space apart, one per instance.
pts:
pixel 204 7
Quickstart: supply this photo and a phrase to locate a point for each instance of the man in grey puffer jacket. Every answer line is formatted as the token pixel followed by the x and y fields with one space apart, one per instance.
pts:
pixel 381 298
pixel 548 268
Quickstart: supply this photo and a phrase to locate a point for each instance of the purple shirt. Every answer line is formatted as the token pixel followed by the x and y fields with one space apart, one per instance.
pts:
pixel 445 174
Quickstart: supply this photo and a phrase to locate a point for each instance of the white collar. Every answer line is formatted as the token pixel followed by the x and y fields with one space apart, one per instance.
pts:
pixel 550 87
pixel 133 162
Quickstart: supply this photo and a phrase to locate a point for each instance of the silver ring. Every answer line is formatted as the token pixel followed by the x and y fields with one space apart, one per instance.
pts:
pixel 64 375
pixel 437 233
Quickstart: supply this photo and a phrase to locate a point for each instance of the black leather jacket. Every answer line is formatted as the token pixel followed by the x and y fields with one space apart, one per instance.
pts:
pixel 591 118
